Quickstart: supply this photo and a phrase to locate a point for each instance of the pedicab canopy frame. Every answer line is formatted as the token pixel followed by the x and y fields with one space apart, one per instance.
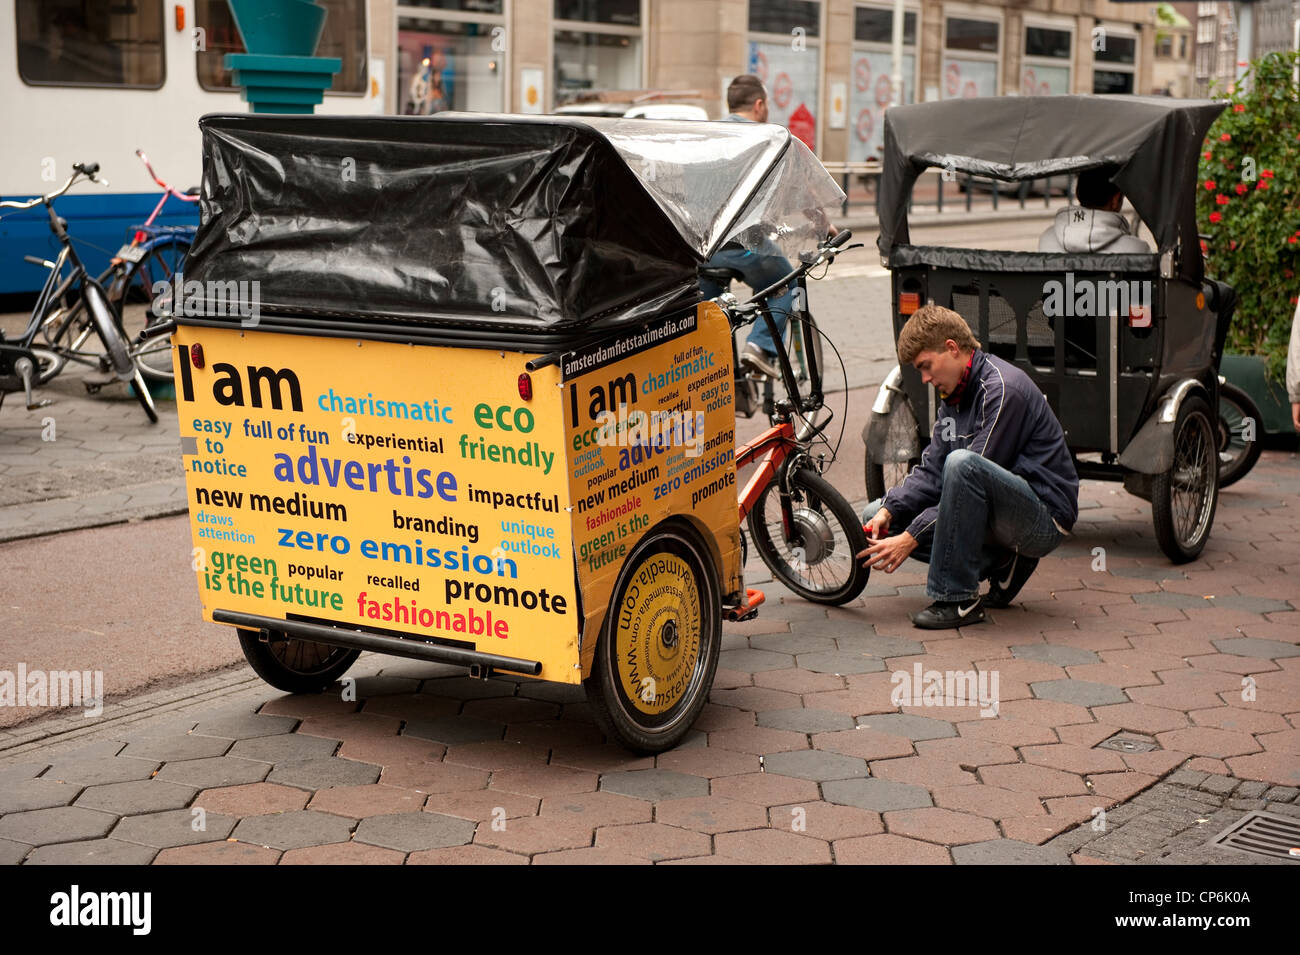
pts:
pixel 481 416
pixel 1154 141
pixel 496 228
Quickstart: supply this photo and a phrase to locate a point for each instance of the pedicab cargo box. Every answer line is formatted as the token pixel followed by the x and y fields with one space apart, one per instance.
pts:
pixel 480 405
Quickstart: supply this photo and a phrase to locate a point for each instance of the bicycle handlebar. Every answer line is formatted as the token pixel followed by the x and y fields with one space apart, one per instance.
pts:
pixel 824 253
pixel 184 197
pixel 78 169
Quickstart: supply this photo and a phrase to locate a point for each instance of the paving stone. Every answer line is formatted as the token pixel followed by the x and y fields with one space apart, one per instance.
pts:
pixel 252 799
pixel 284 748
pixel 544 781
pixel 1073 759
pixel 1139 718
pixel 879 646
pixel 787 643
pixel 1054 654
pixel 25 794
pixel 904 724
pixel 1252 604
pixel 12 853
pixel 323 773
pixel 38 827
pixel 511 710
pixel 815 765
pixel 766 789
pixel 864 743
pixel 168 748
pixel 1255 647
pixel 653 841
pixel 368 686
pixel 1078 692
pixel 92 852
pixel 806 721
pixel 218 853
pixel 1219 785
pixel 137 796
pixel 17 772
pixel 1036 780
pixel 214 772
pixel 465 855
pixel 654 784
pixel 413 831
pixel 841 661
pixel 889 849
pixel 1007 852
pixel 246 726
pixel 988 801
pixel 753 661
pixel 922 771
pixel 600 808
pixel 879 795
pixel 348 853
pixel 1282 794
pixel 711 814
pixel 1269 767
pixel 1252 790
pixel 497 756
pixel 595 855
pixel 773 847
pixel 536 834
pixel 944 826
pixel 758 740
pixel 293 830
pixel 434 777
pixel 821 820
pixel 100 770
pixel 174 827
pixel 710 762
pixel 357 802
pixel 468 688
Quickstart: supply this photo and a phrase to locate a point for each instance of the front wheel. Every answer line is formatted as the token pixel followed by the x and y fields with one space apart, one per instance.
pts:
pixel 1183 498
pixel 1239 423
pixel 295 666
pixel 813 548
pixel 900 453
pixel 658 649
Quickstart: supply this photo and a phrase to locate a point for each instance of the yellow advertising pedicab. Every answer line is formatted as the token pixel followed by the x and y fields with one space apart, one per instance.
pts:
pixel 447 391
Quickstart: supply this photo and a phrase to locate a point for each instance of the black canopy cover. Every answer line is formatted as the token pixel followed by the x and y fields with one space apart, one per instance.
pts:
pixel 526 226
pixel 1154 141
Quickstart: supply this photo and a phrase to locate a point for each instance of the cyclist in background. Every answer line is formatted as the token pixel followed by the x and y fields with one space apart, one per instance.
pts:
pixel 761 265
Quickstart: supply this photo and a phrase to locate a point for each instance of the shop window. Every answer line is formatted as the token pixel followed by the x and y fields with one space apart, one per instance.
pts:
pixel 447 64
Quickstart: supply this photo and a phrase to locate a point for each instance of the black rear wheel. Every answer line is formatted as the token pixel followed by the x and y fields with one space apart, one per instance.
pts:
pixel 1239 423
pixel 295 666
pixel 1183 499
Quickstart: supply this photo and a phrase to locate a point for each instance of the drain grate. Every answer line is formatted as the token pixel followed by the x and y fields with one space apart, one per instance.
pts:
pixel 1262 834
pixel 1129 744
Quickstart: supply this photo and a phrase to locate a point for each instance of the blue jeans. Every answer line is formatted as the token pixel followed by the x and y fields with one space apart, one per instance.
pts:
pixel 986 513
pixel 760 270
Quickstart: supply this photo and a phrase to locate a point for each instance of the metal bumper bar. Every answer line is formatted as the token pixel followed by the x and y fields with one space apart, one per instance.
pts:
pixel 395 646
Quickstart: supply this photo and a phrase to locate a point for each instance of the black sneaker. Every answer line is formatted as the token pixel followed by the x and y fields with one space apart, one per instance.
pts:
pixel 758 358
pixel 1008 579
pixel 945 614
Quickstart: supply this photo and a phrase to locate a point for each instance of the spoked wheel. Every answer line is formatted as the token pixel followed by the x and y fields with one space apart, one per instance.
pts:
pixel 295 666
pixel 160 264
pixel 1239 423
pixel 1183 498
pixel 899 455
pixel 813 549
pixel 658 649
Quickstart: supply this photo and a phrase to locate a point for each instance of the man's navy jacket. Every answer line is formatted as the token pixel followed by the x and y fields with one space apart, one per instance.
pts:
pixel 1001 415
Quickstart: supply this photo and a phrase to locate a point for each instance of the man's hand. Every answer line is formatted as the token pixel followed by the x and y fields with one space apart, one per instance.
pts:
pixel 888 554
pixel 878 526
pixel 1295 415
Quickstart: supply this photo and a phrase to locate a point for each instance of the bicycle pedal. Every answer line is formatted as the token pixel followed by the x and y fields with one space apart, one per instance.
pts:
pixel 37 406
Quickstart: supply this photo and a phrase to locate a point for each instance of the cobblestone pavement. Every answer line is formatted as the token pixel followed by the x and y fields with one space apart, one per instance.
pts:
pixel 801 755
pixel 1142 708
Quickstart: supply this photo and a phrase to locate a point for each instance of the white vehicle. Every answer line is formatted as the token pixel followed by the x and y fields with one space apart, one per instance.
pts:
pixel 94 82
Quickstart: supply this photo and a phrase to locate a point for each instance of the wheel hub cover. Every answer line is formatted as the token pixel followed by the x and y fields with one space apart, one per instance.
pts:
pixel 658 633
pixel 818 537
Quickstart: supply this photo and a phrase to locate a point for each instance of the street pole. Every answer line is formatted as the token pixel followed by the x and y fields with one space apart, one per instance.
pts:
pixel 1245 13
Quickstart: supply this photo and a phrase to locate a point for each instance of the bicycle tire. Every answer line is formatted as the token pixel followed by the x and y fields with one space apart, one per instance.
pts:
pixel 818 542
pixel 163 260
pixel 1239 419
pixel 143 395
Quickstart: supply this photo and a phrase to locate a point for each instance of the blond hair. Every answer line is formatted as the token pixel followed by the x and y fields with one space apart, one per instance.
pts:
pixel 927 330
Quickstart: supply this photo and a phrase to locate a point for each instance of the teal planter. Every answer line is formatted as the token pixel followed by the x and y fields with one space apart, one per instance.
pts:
pixel 1250 374
pixel 279 74
pixel 279 27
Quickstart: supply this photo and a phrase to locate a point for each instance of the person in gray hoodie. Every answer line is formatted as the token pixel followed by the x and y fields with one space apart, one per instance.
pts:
pixel 1095 224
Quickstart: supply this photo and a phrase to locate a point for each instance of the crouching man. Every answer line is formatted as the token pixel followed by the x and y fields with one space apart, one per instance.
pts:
pixel 995 490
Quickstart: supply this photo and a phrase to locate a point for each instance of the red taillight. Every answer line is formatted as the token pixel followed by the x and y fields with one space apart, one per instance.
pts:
pixel 196 355
pixel 908 302
pixel 526 387
pixel 1139 316
pixel 138 238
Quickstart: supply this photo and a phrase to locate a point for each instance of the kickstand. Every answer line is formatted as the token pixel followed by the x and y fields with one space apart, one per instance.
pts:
pixel 25 371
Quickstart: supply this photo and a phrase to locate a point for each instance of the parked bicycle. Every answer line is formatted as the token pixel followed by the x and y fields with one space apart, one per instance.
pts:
pixel 804 529
pixel 154 254
pixel 23 363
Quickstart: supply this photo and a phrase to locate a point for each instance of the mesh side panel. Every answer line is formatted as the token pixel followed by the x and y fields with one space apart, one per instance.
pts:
pixel 966 302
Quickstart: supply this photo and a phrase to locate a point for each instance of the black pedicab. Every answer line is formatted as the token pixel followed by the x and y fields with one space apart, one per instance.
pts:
pixel 1126 347
pixel 447 391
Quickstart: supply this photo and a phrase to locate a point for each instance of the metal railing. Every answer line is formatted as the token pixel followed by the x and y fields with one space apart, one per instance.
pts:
pixel 869 172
